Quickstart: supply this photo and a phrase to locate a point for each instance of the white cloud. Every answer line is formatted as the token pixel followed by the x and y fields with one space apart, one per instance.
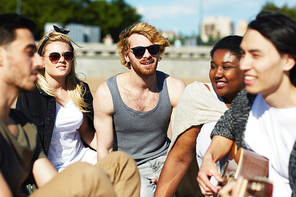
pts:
pixel 231 4
pixel 171 11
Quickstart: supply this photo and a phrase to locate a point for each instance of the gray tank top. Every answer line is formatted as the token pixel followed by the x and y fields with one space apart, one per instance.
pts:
pixel 141 134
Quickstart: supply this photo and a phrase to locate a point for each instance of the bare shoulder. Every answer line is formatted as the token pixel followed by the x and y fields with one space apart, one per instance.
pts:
pixel 103 99
pixel 103 91
pixel 175 82
pixel 176 87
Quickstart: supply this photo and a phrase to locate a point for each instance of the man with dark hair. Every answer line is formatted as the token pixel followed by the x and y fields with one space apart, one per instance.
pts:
pixel 262 116
pixel 21 153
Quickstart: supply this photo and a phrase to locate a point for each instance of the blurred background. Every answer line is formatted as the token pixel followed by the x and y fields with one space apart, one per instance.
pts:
pixel 191 26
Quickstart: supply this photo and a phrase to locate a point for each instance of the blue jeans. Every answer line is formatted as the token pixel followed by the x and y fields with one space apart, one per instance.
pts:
pixel 150 169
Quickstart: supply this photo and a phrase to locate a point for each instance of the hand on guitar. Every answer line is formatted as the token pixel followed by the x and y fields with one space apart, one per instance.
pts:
pixel 206 171
pixel 254 168
pixel 232 188
pixel 258 187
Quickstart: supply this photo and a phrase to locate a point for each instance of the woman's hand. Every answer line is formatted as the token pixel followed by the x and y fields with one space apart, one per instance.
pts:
pixel 207 170
pixel 219 147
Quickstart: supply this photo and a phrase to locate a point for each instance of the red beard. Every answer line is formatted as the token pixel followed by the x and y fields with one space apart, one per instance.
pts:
pixel 144 71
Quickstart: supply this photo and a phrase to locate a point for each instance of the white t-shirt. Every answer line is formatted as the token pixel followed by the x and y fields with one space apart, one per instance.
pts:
pixel 65 141
pixel 204 140
pixel 271 132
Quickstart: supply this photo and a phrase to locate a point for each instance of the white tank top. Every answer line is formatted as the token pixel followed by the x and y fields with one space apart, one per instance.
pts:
pixel 65 141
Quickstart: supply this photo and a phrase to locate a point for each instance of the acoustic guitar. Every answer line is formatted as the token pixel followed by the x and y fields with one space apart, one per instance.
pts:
pixel 254 169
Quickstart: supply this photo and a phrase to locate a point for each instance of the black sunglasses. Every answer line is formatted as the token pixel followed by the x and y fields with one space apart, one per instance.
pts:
pixel 139 51
pixel 55 57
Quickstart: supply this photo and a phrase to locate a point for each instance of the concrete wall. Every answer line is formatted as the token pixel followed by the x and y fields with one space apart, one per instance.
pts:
pixel 98 61
pixel 105 68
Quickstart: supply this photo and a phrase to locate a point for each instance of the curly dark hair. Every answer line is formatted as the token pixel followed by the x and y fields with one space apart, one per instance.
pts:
pixel 231 43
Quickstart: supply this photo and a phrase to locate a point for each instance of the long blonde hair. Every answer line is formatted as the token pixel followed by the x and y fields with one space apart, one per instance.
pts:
pixel 74 85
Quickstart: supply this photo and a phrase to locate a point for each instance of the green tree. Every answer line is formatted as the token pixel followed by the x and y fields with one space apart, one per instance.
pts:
pixel 290 12
pixel 212 41
pixel 128 16
pixel 112 16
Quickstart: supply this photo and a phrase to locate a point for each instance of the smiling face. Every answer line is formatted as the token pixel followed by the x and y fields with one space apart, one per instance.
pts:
pixel 225 75
pixel 20 62
pixel 60 69
pixel 145 65
pixel 262 64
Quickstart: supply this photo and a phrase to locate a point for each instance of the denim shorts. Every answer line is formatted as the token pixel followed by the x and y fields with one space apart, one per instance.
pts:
pixel 150 169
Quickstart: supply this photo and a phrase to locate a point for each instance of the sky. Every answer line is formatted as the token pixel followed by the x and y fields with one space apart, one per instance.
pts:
pixel 183 16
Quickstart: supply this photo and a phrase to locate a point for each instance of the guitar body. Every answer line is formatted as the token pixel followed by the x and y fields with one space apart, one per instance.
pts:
pixel 251 165
pixel 254 169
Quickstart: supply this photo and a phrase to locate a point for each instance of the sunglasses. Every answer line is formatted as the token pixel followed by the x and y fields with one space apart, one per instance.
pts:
pixel 139 51
pixel 55 57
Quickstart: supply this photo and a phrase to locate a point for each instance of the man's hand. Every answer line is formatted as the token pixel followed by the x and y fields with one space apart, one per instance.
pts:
pixel 231 189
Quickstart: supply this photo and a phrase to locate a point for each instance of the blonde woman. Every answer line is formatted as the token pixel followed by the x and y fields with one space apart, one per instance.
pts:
pixel 61 105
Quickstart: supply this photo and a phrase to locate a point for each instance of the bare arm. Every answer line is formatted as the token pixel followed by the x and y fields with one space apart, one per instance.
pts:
pixel 4 188
pixel 179 158
pixel 103 121
pixel 87 134
pixel 43 171
pixel 175 88
pixel 219 147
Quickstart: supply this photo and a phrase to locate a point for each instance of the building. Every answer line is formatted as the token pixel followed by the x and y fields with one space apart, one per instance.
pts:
pixel 79 33
pixel 170 35
pixel 215 27
pixel 241 27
